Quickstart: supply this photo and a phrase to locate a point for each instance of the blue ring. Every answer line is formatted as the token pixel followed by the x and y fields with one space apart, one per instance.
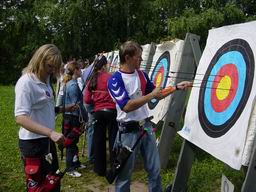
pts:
pixel 163 60
pixel 219 118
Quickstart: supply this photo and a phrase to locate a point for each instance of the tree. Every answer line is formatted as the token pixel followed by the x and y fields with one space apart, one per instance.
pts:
pixel 82 28
pixel 200 23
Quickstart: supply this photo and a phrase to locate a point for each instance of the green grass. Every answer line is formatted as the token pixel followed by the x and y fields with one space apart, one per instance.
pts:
pixel 11 174
pixel 205 174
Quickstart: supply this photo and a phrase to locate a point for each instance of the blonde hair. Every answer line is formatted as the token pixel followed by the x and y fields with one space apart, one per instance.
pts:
pixel 70 70
pixel 46 54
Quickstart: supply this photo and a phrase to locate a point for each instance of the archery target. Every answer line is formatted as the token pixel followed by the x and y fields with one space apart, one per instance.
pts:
pixel 226 87
pixel 159 75
pixel 167 58
pixel 219 109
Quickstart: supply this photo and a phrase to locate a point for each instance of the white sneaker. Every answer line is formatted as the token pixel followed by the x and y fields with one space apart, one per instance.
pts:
pixel 82 166
pixel 74 173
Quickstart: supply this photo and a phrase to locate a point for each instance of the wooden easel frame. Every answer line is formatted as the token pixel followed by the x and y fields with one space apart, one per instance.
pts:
pixel 190 57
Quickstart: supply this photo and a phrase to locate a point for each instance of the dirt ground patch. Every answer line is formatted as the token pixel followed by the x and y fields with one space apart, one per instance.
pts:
pixel 96 184
pixel 90 182
pixel 135 187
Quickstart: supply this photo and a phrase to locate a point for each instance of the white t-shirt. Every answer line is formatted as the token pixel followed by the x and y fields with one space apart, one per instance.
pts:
pixel 123 87
pixel 35 99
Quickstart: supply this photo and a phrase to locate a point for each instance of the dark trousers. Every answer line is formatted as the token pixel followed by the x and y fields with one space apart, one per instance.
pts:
pixel 72 131
pixel 38 148
pixel 104 120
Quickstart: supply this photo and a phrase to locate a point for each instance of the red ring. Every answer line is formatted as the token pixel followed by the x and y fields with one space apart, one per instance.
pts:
pixel 161 70
pixel 231 71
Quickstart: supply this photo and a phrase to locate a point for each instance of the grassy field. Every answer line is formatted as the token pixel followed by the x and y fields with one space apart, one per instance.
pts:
pixel 205 176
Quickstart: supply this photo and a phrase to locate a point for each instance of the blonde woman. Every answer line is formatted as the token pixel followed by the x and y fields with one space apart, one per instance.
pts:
pixel 35 113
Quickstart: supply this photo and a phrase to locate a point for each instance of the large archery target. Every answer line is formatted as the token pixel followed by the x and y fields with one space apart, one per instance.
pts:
pixel 220 105
pixel 159 75
pixel 166 58
pixel 229 74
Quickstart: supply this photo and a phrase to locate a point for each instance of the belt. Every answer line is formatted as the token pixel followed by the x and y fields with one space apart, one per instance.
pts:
pixel 107 110
pixel 71 115
pixel 132 126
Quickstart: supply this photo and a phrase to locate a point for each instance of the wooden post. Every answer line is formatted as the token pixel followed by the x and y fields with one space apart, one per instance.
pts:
pixel 249 181
pixel 186 157
pixel 177 104
pixel 184 166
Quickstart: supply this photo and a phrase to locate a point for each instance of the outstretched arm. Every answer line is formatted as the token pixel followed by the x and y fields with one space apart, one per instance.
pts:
pixel 134 104
pixel 184 85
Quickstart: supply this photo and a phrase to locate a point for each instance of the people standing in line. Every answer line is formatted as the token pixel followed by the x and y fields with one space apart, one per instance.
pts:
pixel 86 74
pixel 35 113
pixel 73 121
pixel 131 89
pixel 104 114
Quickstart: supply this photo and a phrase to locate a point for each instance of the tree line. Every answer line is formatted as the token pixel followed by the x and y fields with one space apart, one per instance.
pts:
pixel 82 28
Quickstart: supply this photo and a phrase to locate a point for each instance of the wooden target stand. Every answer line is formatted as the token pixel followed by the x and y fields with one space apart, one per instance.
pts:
pixel 187 153
pixel 190 57
pixel 186 159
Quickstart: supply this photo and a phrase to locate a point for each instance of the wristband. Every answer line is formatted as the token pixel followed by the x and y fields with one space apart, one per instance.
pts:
pixel 176 87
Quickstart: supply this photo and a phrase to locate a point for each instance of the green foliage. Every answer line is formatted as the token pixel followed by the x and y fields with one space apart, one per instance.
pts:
pixel 247 6
pixel 207 172
pixel 200 23
pixel 232 14
pixel 82 28
pixel 10 165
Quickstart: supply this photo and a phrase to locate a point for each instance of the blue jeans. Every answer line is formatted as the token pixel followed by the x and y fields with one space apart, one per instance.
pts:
pixel 72 160
pixel 71 125
pixel 90 130
pixel 149 152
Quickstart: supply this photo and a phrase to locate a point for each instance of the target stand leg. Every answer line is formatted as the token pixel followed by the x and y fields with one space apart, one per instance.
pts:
pixel 184 166
pixel 249 181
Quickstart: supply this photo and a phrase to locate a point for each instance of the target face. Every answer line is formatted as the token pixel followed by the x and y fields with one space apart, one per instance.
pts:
pixel 226 87
pixel 159 75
